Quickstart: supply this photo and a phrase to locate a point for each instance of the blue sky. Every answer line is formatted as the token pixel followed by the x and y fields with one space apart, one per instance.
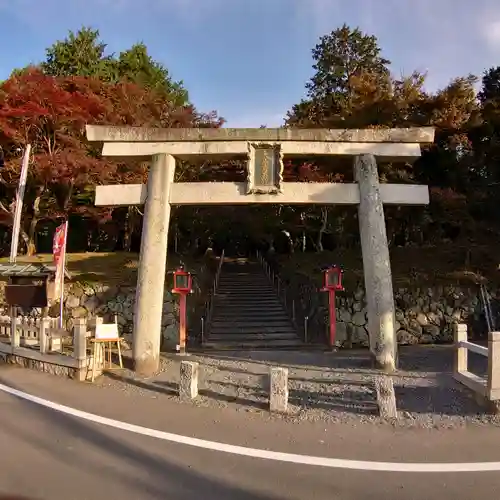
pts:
pixel 250 59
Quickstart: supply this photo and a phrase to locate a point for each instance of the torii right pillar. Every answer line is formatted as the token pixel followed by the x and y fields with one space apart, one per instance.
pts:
pixel 376 265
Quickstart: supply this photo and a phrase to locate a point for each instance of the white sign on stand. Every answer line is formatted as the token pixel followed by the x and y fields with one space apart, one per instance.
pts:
pixel 107 331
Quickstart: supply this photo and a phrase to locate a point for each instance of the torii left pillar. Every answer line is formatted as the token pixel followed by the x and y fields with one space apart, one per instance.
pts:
pixel 148 311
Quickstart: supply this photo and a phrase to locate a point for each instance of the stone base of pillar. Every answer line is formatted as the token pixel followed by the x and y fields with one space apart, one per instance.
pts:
pixel 385 365
pixel 147 366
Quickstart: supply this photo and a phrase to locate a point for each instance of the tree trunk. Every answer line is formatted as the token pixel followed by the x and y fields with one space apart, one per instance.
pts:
pixel 323 228
pixel 290 241
pixel 31 243
pixel 22 233
pixel 128 229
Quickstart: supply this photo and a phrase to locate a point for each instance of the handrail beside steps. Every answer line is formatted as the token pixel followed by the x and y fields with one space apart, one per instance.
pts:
pixel 207 316
pixel 283 294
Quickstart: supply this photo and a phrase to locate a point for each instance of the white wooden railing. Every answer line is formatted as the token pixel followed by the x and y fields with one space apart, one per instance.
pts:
pixel 488 386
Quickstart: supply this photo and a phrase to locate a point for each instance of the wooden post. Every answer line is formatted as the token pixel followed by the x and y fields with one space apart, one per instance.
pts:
pixel 386 397
pixel 494 366
pixel 98 350
pixel 43 335
pixel 182 323
pixel 16 226
pixel 461 354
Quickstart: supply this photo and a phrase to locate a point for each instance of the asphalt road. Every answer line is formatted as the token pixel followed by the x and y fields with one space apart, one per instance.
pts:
pixel 48 455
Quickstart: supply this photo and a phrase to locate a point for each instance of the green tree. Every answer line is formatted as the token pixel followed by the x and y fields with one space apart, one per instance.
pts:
pixel 137 66
pixel 80 54
pixel 341 59
pixel 84 54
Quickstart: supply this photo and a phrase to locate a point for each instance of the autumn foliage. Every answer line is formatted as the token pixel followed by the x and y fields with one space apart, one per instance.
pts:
pixel 352 86
pixel 50 113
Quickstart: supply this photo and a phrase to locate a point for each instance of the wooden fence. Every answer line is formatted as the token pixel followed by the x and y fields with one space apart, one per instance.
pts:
pixel 488 386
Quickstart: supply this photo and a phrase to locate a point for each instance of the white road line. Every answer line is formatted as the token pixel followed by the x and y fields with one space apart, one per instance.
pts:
pixel 335 463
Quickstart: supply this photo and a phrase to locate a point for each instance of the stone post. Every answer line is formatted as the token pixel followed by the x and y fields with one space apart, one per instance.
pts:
pixel 386 397
pixel 80 347
pixel 43 335
pixel 376 264
pixel 15 335
pixel 80 339
pixel 188 386
pixel 152 267
pixel 461 352
pixel 278 392
pixel 494 366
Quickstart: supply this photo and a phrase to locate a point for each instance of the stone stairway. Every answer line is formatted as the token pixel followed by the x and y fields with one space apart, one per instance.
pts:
pixel 247 313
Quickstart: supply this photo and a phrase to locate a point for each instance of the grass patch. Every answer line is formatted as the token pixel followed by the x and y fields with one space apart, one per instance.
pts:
pixel 106 268
pixel 411 267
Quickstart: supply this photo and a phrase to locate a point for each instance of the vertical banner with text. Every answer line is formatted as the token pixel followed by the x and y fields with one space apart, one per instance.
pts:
pixel 59 253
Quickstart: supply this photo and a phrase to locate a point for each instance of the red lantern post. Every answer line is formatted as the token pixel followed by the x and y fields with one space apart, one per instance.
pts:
pixel 182 286
pixel 332 282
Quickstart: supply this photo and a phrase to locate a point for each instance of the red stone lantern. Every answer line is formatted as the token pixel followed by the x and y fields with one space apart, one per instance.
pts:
pixel 332 283
pixel 183 281
pixel 332 279
pixel 183 285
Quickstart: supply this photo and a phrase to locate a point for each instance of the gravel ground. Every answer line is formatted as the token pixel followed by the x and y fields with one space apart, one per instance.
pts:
pixel 329 387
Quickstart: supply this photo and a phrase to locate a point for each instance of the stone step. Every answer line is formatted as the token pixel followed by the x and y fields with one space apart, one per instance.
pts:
pixel 235 304
pixel 261 319
pixel 257 344
pixel 247 290
pixel 242 322
pixel 243 277
pixel 224 302
pixel 254 278
pixel 256 326
pixel 248 311
pixel 232 303
pixel 251 320
pixel 257 280
pixel 244 294
pixel 253 306
pixel 229 337
pixel 223 329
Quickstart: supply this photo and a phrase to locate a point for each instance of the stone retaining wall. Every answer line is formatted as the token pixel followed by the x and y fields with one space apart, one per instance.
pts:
pixel 90 299
pixel 423 315
pixel 85 300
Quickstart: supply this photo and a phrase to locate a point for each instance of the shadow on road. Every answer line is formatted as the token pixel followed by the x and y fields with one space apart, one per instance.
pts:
pixel 153 476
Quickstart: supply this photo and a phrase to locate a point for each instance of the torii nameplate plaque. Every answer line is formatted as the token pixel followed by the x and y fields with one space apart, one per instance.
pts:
pixel 265 168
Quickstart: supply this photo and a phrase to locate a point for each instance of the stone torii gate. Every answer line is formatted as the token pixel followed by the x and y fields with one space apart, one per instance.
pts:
pixel 264 150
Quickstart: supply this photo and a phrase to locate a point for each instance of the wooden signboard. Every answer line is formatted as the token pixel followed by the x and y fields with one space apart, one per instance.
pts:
pixel 106 332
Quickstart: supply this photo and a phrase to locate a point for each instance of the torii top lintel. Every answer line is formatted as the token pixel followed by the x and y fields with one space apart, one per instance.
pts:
pixel 104 133
pixel 264 150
